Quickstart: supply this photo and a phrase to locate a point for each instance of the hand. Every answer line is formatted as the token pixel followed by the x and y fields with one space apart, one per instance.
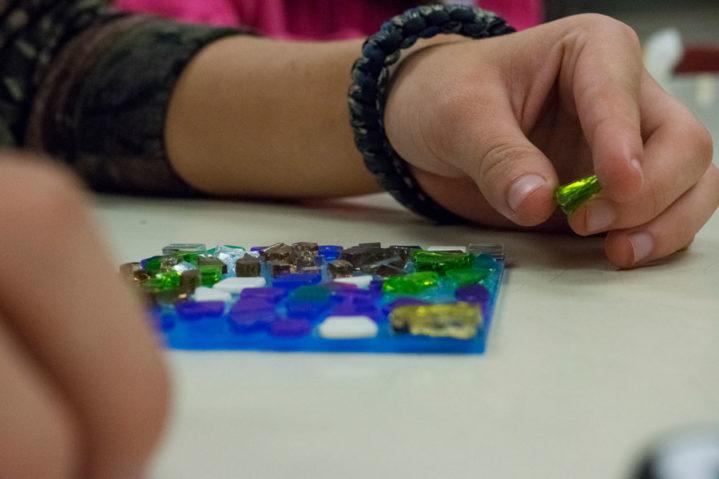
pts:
pixel 84 391
pixel 492 127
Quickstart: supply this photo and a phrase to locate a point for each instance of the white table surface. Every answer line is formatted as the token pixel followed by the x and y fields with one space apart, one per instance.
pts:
pixel 585 365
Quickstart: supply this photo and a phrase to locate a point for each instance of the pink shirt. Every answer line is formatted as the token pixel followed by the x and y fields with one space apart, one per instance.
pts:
pixel 313 19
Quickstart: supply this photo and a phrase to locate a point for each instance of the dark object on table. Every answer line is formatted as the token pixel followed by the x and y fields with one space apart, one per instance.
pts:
pixel 340 267
pixel 692 454
pixel 247 267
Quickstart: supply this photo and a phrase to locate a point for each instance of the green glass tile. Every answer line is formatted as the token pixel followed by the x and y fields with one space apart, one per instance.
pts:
pixel 469 276
pixel 189 257
pixel 153 265
pixel 413 283
pixel 572 196
pixel 164 281
pixel 440 261
pixel 485 261
pixel 210 270
pixel 210 275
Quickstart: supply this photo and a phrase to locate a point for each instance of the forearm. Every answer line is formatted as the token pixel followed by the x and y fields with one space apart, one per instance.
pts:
pixel 263 118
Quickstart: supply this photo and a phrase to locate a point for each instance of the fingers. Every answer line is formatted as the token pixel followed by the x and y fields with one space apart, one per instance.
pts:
pixel 671 231
pixel 514 176
pixel 601 72
pixel 37 432
pixel 677 153
pixel 61 295
pixel 469 128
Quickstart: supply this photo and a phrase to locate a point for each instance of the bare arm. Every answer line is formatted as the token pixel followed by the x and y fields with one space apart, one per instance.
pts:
pixel 256 117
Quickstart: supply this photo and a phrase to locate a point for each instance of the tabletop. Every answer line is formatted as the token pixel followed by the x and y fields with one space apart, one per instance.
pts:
pixel 585 365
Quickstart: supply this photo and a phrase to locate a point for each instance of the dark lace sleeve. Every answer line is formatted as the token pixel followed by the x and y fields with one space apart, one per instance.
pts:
pixel 91 86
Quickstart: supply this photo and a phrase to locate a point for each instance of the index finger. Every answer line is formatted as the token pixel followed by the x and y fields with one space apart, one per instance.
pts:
pixel 601 73
pixel 63 299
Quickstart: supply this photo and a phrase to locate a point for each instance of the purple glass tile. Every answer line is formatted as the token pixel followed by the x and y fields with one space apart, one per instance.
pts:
pixel 476 294
pixel 251 315
pixel 354 294
pixel 252 305
pixel 334 286
pixel 258 249
pixel 356 306
pixel 295 280
pixel 197 310
pixel 269 294
pixel 290 328
pixel 305 309
pixel 251 322
pixel 266 315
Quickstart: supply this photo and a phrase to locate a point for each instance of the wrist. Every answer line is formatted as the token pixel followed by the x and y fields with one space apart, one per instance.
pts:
pixel 368 93
pixel 419 94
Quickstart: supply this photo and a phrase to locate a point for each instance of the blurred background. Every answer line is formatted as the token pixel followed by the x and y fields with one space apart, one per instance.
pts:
pixel 681 43
pixel 697 20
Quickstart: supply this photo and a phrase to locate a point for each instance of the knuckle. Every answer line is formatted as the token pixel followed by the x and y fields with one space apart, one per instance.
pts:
pixel 629 35
pixel 498 163
pixel 609 26
pixel 704 144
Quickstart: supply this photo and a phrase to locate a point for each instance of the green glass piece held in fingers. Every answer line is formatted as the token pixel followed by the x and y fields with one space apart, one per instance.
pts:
pixel 414 283
pixel 571 196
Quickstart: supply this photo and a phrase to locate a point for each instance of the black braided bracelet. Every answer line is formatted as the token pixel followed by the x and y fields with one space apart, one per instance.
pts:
pixel 368 93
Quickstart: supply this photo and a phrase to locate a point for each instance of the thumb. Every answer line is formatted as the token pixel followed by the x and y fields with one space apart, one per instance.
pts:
pixel 515 177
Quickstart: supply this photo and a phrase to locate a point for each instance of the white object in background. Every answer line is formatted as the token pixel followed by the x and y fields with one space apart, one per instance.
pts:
pixel 210 294
pixel 663 51
pixel 348 327
pixel 706 90
pixel 359 281
pixel 236 285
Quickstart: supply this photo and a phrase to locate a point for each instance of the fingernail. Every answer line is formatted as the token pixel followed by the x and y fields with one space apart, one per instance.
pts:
pixel 642 244
pixel 523 187
pixel 600 216
pixel 634 163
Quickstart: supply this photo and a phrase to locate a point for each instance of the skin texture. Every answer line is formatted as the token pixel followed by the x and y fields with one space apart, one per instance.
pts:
pixel 565 99
pixel 84 396
pixel 491 127
pixel 295 141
